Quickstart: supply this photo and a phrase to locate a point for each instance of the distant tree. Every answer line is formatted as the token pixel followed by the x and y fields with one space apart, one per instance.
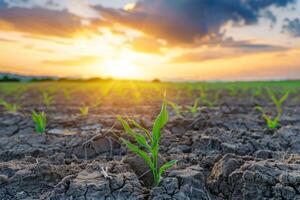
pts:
pixel 156 80
pixel 6 78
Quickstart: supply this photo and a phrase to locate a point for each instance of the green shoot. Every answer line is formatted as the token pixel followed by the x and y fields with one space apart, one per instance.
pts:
pixel 47 99
pixel 13 108
pixel 204 97
pixel 176 108
pixel 40 121
pixel 274 123
pixel 278 102
pixel 271 123
pixel 194 109
pixel 149 143
pixel 97 102
pixel 210 103
pixel 84 111
pixel 257 92
pixel 67 95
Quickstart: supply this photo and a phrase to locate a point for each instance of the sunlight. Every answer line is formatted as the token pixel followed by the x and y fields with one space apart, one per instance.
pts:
pixel 124 69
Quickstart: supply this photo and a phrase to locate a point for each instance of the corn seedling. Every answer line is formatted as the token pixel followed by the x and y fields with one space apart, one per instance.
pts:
pixel 207 102
pixel 13 108
pixel 97 104
pixel 273 123
pixel 257 92
pixel 149 143
pixel 47 99
pixel 84 110
pixel 194 109
pixel 40 121
pixel 176 108
pixel 67 95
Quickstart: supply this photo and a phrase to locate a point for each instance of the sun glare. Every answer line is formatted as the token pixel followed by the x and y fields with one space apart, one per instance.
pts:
pixel 123 69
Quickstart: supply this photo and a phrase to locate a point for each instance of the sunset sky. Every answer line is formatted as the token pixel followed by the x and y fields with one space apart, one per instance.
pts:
pixel 146 39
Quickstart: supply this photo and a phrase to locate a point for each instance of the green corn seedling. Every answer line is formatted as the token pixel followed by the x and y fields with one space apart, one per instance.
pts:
pixel 47 99
pixel 67 95
pixel 273 123
pixel 97 102
pixel 278 102
pixel 13 108
pixel 149 143
pixel 194 109
pixel 205 100
pixel 40 121
pixel 211 103
pixel 84 110
pixel 176 108
pixel 257 92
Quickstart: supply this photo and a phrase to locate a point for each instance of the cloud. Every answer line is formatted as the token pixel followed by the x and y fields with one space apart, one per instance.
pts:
pixel 190 21
pixel 35 48
pixel 78 7
pixel 229 49
pixel 292 27
pixel 146 45
pixel 7 40
pixel 84 60
pixel 44 22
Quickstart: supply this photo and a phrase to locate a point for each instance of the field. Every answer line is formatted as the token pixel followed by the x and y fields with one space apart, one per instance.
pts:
pixel 224 136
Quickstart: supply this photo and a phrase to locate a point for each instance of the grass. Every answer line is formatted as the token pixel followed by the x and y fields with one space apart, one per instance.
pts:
pixel 13 108
pixel 40 121
pixel 148 148
pixel 274 123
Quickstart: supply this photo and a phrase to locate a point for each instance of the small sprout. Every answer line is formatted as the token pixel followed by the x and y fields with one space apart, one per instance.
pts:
pixel 176 108
pixel 40 121
pixel 84 111
pixel 257 92
pixel 208 102
pixel 278 102
pixel 13 108
pixel 97 102
pixel 194 109
pixel 275 122
pixel 149 143
pixel 271 123
pixel 67 95
pixel 47 99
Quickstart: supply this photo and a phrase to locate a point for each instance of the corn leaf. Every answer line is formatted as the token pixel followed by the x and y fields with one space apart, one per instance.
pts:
pixel 284 98
pixel 135 149
pixel 137 125
pixel 166 166
pixel 140 139
pixel 160 122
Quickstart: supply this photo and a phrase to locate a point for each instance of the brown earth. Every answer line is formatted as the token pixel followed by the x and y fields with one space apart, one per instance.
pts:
pixel 223 152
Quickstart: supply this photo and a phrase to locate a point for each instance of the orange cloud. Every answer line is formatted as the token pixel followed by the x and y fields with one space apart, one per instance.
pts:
pixel 146 45
pixel 44 22
pixel 85 60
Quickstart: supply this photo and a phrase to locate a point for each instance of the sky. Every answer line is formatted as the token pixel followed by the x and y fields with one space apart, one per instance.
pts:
pixel 147 39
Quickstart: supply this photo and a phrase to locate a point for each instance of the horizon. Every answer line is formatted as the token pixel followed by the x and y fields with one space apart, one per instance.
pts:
pixel 70 78
pixel 152 39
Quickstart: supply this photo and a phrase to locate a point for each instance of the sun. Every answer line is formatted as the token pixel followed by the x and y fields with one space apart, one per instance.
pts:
pixel 123 69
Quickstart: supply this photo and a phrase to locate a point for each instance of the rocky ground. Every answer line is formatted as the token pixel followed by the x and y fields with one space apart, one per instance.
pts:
pixel 223 152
